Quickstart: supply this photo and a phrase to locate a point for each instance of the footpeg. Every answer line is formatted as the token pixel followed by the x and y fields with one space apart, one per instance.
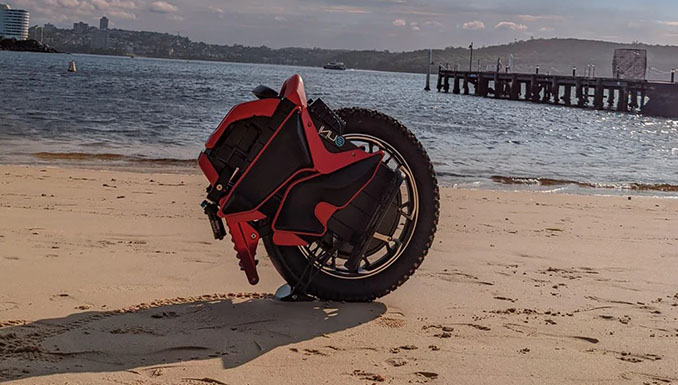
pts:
pixel 245 238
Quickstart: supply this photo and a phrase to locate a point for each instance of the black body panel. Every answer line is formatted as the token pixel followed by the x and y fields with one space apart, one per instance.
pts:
pixel 240 143
pixel 337 188
pixel 351 221
pixel 286 154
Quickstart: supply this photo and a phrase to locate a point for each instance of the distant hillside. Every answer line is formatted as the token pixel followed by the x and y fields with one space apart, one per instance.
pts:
pixel 557 56
pixel 552 55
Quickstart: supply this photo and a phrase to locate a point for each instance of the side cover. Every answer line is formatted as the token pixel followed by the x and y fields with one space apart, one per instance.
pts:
pixel 266 159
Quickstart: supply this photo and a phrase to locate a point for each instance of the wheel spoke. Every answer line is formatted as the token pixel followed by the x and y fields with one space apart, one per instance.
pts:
pixel 407 215
pixel 381 237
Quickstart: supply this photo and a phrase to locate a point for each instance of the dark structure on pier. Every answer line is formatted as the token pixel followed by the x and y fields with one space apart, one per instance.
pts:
pixel 626 95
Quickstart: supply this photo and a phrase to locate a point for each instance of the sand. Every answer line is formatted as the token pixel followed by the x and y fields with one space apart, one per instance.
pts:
pixel 112 277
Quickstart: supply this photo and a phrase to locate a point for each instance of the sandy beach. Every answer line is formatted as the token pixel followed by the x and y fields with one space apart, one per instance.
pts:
pixel 113 277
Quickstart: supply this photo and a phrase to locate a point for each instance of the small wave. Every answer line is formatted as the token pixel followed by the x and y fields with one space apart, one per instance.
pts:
pixel 508 180
pixel 665 187
pixel 84 156
pixel 538 181
pixel 451 174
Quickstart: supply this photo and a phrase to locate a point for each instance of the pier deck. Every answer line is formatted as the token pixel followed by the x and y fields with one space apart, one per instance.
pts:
pixel 624 95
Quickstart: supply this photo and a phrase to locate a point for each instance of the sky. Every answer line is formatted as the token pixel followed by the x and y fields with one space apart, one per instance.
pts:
pixel 395 25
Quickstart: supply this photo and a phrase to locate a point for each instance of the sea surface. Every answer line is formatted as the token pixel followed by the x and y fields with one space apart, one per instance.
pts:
pixel 122 112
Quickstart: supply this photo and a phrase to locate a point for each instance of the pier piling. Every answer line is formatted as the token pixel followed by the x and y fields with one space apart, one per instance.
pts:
pixel 623 100
pixel 581 101
pixel 455 89
pixel 610 97
pixel 598 96
pixel 439 83
pixel 515 88
pixel 555 89
pixel 428 70
pixel 568 95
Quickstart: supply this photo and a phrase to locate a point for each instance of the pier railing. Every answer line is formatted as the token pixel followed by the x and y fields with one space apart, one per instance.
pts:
pixel 624 95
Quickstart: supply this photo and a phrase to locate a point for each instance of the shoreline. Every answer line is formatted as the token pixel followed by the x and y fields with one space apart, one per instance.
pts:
pixel 114 276
pixel 543 185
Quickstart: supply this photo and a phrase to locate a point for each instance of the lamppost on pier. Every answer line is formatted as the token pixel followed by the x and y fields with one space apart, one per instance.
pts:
pixel 470 61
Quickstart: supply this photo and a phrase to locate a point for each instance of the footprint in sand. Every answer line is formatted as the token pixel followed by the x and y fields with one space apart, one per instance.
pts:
pixel 505 299
pixel 4 306
pixel 476 326
pixel 396 362
pixel 427 376
pixel 459 277
pixel 655 379
pixel 202 381
pixel 314 352
pixel 634 358
pixel 392 323
pixel 368 376
pixel 403 347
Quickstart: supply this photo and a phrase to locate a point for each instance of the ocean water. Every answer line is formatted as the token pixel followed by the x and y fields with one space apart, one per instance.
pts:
pixel 117 111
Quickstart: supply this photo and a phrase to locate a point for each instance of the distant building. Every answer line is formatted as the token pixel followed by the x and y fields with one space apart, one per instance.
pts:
pixel 103 23
pixel 629 63
pixel 49 28
pixel 37 33
pixel 13 23
pixel 80 27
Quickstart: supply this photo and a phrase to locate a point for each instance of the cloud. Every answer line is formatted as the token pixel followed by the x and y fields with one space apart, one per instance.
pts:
pixel 123 15
pixel 67 3
pixel 415 26
pixel 473 25
pixel 104 5
pixel 346 9
pixel 75 7
pixel 669 23
pixel 216 9
pixel 399 22
pixel 546 29
pixel 163 7
pixel 535 18
pixel 510 25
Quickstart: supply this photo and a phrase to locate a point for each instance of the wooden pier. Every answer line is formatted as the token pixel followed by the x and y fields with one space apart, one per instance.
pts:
pixel 624 95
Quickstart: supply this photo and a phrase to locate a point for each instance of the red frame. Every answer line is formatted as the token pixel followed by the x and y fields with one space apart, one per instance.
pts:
pixel 244 235
pixel 293 89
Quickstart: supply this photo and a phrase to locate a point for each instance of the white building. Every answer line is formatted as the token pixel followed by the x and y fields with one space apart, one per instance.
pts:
pixel 13 23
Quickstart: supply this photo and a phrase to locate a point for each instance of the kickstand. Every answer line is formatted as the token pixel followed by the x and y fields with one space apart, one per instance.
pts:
pixel 285 293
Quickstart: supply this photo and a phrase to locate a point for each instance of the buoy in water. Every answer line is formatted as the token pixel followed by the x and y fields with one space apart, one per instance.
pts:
pixel 71 66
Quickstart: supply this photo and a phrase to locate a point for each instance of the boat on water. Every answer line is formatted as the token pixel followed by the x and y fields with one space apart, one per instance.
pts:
pixel 335 66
